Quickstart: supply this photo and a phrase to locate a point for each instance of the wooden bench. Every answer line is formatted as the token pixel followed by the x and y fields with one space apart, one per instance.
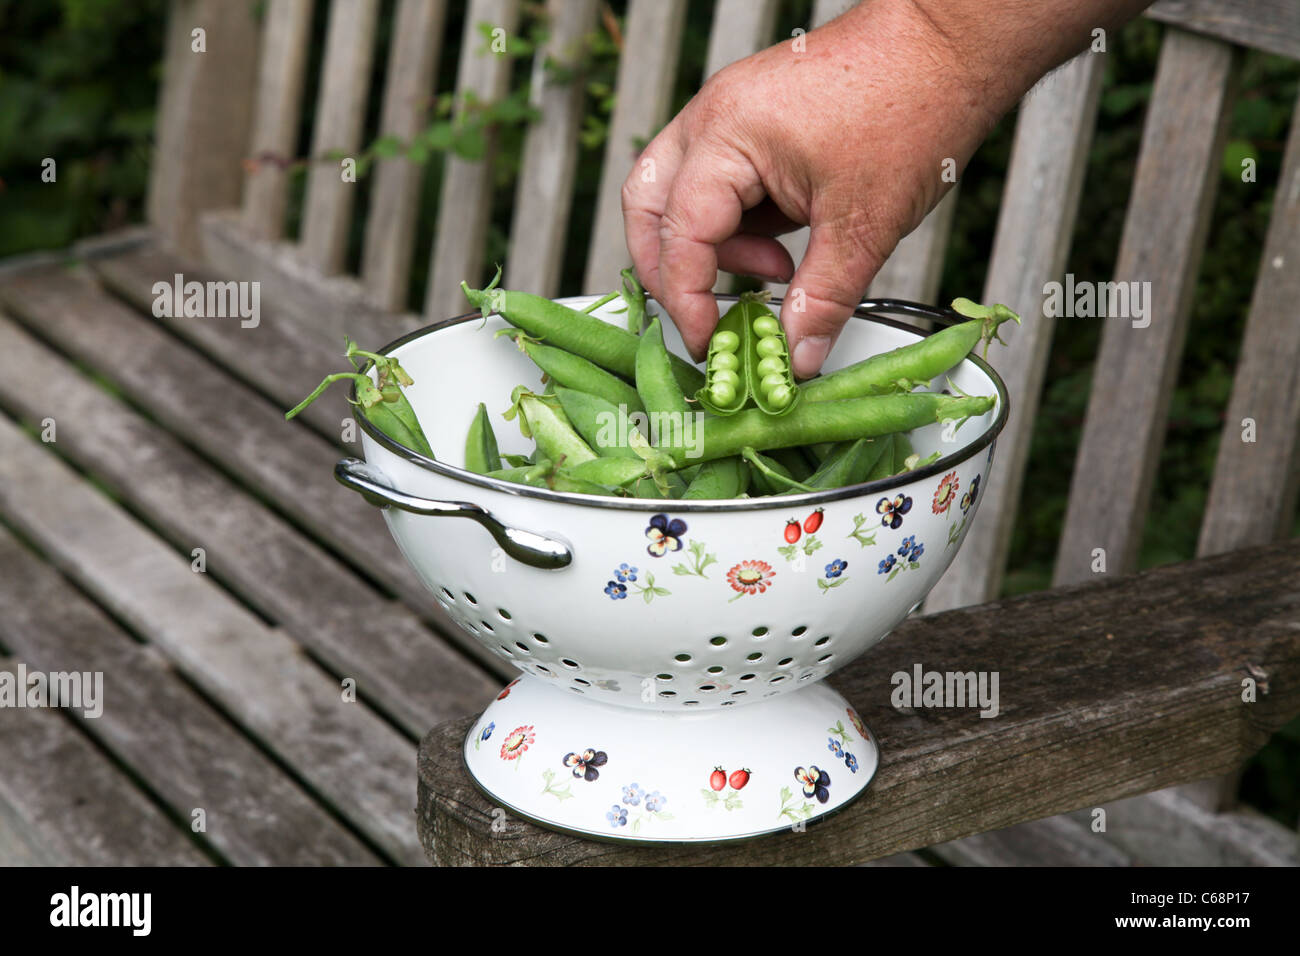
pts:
pixel 229 690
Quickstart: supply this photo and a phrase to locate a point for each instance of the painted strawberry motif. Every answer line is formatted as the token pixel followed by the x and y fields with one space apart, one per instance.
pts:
pixel 738 779
pixel 813 522
pixel 792 531
pixel 718 779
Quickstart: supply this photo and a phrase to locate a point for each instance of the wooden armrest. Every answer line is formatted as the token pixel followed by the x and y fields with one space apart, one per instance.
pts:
pixel 1105 691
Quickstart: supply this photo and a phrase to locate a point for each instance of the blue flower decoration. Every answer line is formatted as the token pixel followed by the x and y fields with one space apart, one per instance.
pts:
pixel 616 591
pixel 917 552
pixel 665 535
pixel 851 762
pixel 887 564
pixel 908 544
pixel 655 802
pixel 487 731
pixel 625 572
pixel 834 747
pixel 617 816
pixel 632 795
pixel 836 568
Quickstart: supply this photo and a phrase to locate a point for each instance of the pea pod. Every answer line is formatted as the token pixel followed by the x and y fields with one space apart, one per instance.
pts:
pixel 610 347
pixel 603 426
pixel 848 464
pixel 770 476
pixel 481 453
pixel 749 362
pixel 574 371
pixel 724 478
pixel 386 408
pixel 544 421
pixel 813 422
pixel 634 295
pixel 614 472
pixel 659 391
pixel 914 364
pixel 884 466
pixel 902 451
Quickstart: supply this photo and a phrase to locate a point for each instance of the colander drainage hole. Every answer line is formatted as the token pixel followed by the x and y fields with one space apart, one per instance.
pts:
pixel 584 683
pixel 785 662
pixel 508 651
pixel 755 657
pixel 683 658
pixel 523 647
pixel 728 703
pixel 748 676
pixel 777 679
pixel 799 631
pixel 450 597
pixel 716 669
pixel 718 641
pixel 542 669
pixel 488 627
pixel 577 690
pixel 739 693
pixel 469 597
pixel 824 658
pixel 668 693
pixel 568 663
pixel 759 632
pixel 541 639
pixel 664 677
pixel 708 687
pixel 690 703
pixel 822 641
pixel 503 614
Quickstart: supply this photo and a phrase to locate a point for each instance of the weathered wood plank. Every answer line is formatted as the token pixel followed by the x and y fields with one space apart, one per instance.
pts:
pixel 229 424
pixel 1160 251
pixel 645 85
pixel 740 27
pixel 544 192
pixel 1270 25
pixel 465 206
pixel 1039 205
pixel 1107 691
pixel 1252 496
pixel 77 808
pixel 913 269
pixel 395 196
pixel 188 755
pixel 274 139
pixel 340 113
pixel 399 665
pixel 254 672
pixel 204 111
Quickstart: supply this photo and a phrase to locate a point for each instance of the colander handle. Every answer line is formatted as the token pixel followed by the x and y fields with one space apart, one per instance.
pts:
pixel 526 547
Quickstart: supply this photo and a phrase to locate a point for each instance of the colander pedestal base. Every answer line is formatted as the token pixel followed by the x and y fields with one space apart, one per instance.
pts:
pixel 576 764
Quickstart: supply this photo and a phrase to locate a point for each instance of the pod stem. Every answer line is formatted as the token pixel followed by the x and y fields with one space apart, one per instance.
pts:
pixel 992 316
pixel 751 455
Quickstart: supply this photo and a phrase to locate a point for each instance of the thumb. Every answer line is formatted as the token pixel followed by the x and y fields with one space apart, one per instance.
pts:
pixel 826 288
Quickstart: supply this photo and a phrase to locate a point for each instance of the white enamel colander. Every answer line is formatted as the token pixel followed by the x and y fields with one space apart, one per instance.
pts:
pixel 664 641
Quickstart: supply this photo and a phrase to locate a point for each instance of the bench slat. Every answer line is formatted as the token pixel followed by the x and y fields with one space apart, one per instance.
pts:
pixel 1270 25
pixel 1039 205
pixel 1252 496
pixel 1164 237
pixel 399 666
pixel 340 113
pixel 1099 672
pixel 395 195
pixel 544 192
pixel 74 807
pixel 645 89
pixel 466 199
pixel 236 429
pixel 256 674
pixel 188 755
pixel 275 122
pixel 914 268
pixel 740 28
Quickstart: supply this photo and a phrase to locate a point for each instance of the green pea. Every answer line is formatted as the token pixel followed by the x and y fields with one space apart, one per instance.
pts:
pixel 765 326
pixel 727 377
pixel 726 341
pixel 726 361
pixel 722 393
pixel 770 382
pixel 770 346
pixel 780 396
pixel 771 365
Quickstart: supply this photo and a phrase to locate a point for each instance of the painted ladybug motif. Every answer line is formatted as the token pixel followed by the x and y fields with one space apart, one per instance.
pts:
pixel 738 779
pixel 718 779
pixel 813 521
pixel 792 531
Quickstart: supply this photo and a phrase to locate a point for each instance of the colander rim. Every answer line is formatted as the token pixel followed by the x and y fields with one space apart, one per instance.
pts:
pixel 869 310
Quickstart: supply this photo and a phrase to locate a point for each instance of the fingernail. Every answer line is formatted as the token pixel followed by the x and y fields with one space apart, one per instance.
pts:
pixel 809 355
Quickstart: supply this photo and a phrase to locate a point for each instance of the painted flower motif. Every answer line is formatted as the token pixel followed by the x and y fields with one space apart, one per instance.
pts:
pixel 665 535
pixel 917 552
pixel 505 692
pixel 851 762
pixel 616 590
pixel 816 783
pixel 906 547
pixel 632 794
pixel 517 744
pixel 487 731
pixel 887 564
pixel 836 568
pixel 892 510
pixel 625 572
pixel 584 764
pixel 857 723
pixel 972 493
pixel 617 816
pixel 945 493
pixel 835 747
pixel 751 577
pixel 654 802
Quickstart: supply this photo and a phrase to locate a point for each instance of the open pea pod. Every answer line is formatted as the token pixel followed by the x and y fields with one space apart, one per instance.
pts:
pixel 749 362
